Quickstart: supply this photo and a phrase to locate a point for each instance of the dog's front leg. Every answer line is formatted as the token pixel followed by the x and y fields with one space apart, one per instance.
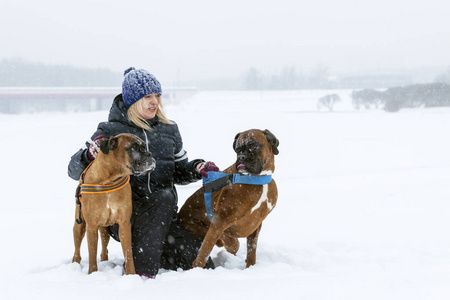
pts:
pixel 231 244
pixel 125 240
pixel 104 236
pixel 252 242
pixel 213 234
pixel 78 235
pixel 92 238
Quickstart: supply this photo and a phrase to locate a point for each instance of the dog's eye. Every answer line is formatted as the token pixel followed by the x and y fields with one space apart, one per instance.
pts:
pixel 255 147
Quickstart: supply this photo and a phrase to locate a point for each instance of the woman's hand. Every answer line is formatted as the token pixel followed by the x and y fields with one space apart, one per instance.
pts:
pixel 94 148
pixel 206 166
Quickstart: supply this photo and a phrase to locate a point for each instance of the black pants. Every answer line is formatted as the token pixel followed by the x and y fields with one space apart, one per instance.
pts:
pixel 157 240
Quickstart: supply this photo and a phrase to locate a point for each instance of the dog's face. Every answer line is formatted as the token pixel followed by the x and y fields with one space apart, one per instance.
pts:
pixel 255 151
pixel 132 150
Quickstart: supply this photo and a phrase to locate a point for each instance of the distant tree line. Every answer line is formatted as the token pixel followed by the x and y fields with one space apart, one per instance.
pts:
pixel 444 77
pixel 291 78
pixel 393 99
pixel 19 72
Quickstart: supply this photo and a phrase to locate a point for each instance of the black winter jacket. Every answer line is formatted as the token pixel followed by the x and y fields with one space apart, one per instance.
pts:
pixel 163 141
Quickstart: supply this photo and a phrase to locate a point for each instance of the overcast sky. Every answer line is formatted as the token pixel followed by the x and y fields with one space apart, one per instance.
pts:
pixel 207 38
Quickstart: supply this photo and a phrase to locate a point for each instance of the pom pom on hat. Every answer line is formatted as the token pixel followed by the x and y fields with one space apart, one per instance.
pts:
pixel 137 84
pixel 128 70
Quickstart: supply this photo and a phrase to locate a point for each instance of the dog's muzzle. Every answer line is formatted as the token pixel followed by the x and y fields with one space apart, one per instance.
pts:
pixel 144 168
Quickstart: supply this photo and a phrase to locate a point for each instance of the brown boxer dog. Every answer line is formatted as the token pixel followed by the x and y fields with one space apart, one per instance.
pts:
pixel 239 209
pixel 105 196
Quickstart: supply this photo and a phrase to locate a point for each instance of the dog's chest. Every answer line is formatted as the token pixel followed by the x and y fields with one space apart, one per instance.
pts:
pixel 249 199
pixel 105 210
pixel 112 209
pixel 252 210
pixel 263 199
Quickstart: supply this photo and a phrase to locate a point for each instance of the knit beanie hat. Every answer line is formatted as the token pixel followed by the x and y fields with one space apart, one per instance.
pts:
pixel 137 84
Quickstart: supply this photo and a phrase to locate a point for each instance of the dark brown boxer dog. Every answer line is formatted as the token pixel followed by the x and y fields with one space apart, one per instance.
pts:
pixel 105 195
pixel 239 209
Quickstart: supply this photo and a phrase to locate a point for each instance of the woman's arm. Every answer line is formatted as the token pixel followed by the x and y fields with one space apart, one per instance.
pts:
pixel 79 161
pixel 185 171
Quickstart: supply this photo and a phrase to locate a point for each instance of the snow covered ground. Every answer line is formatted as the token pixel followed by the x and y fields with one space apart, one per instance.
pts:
pixel 363 209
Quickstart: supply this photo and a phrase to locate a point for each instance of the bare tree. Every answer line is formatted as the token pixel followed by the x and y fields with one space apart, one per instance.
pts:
pixel 328 101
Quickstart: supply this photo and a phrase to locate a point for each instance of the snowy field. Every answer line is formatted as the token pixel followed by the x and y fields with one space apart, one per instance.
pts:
pixel 363 209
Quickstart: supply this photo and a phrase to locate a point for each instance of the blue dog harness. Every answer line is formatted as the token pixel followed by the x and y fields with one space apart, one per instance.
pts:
pixel 217 180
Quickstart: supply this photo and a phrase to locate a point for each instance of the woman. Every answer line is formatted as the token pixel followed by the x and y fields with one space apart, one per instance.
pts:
pixel 157 240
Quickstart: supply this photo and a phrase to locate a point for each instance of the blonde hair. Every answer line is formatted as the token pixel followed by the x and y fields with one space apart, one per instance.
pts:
pixel 136 110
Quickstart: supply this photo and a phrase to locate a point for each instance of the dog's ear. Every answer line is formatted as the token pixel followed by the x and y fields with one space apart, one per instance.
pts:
pixel 235 140
pixel 110 144
pixel 272 140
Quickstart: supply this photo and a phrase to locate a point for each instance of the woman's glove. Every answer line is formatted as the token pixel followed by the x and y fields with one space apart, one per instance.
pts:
pixel 206 166
pixel 94 148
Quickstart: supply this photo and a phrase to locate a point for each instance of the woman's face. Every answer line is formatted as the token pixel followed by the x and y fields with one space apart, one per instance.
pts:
pixel 149 106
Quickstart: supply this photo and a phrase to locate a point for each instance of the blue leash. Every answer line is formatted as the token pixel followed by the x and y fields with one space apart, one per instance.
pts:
pixel 217 180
